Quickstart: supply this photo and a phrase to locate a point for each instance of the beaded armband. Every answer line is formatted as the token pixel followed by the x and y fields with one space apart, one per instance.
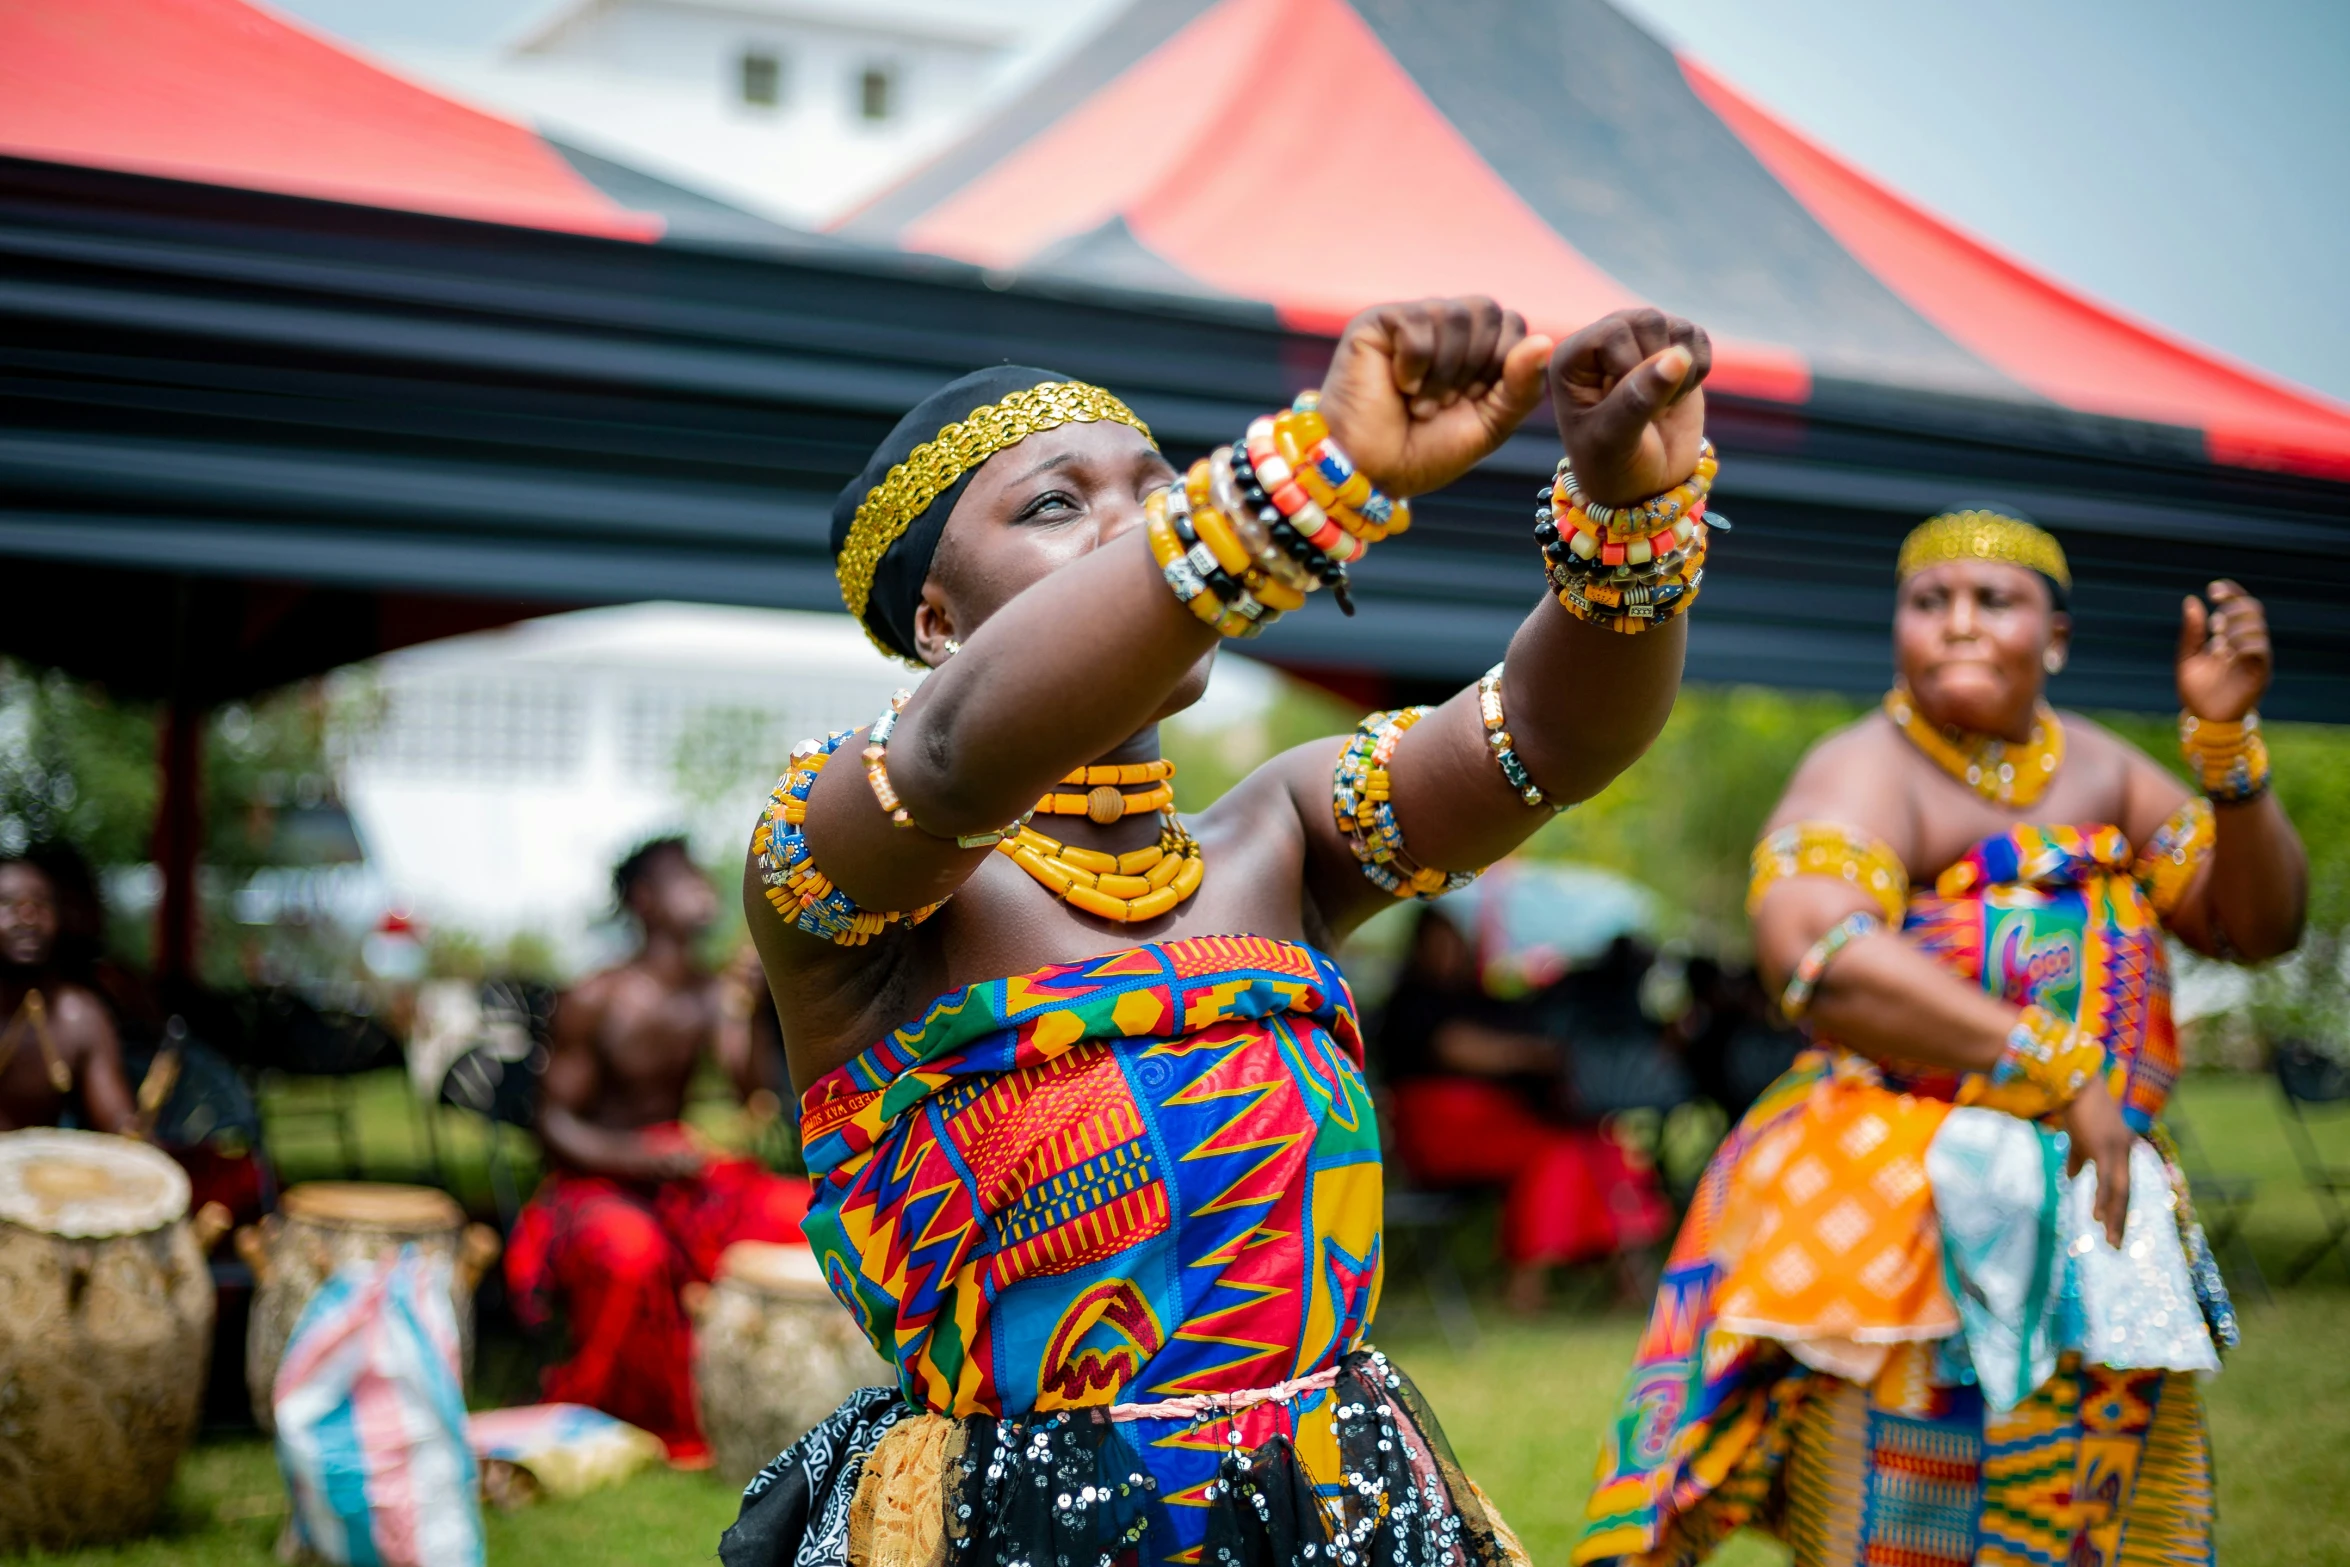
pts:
pixel 1830 849
pixel 2166 867
pixel 876 759
pixel 875 756
pixel 1497 739
pixel 2045 1064
pixel 1366 816
pixel 1254 527
pixel 1626 568
pixel 2230 760
pixel 1795 1000
pixel 797 890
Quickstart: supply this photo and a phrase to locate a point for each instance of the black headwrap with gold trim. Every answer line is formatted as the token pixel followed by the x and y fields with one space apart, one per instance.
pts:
pixel 886 524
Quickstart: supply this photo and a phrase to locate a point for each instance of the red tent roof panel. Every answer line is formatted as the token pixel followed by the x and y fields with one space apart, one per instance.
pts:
pixel 1277 150
pixel 1276 183
pixel 222 92
pixel 2058 343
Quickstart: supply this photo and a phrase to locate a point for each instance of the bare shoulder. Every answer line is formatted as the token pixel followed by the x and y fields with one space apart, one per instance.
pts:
pixel 80 1018
pixel 2138 791
pixel 1299 776
pixel 1852 775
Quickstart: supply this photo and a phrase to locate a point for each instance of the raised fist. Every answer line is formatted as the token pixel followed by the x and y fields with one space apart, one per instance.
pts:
pixel 1630 413
pixel 1419 393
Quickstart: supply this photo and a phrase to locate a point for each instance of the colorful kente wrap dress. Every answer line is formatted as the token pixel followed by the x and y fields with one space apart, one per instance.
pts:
pixel 1890 1330
pixel 1064 1204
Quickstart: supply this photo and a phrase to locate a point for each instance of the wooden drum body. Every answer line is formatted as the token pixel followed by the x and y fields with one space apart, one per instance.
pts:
pixel 320 1226
pixel 105 1334
pixel 773 1354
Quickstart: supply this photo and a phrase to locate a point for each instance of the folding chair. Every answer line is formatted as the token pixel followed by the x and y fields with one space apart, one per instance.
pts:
pixel 2222 1203
pixel 1423 1224
pixel 2310 1078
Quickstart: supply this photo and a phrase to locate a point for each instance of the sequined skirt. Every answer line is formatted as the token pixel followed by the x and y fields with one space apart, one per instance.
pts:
pixel 883 1484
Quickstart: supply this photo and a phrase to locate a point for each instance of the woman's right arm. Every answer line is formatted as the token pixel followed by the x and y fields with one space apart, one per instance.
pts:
pixel 1884 997
pixel 1880 996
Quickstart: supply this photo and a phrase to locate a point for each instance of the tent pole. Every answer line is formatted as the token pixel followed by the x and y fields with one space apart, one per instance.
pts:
pixel 179 813
pixel 179 834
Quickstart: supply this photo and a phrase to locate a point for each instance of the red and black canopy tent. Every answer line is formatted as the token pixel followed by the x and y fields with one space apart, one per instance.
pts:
pixel 300 361
pixel 1872 363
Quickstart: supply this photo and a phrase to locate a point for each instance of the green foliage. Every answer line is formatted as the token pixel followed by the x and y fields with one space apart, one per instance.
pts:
pixel 1210 761
pixel 1683 819
pixel 74 767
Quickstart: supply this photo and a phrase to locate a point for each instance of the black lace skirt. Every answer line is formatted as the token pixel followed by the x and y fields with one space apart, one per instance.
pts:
pixel 1070 1490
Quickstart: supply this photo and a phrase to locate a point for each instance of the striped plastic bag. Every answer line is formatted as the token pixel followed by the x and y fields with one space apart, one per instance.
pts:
pixel 371 1420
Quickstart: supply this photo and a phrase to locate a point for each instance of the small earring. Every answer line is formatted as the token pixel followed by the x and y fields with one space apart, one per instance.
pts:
pixel 2052 661
pixel 953 647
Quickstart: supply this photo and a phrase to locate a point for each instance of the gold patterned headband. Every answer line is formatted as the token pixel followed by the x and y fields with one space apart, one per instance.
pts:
pixel 932 468
pixel 1984 535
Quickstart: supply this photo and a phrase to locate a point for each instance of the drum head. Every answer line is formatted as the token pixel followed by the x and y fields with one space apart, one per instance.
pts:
pixel 88 1185
pixel 371 1205
pixel 790 1271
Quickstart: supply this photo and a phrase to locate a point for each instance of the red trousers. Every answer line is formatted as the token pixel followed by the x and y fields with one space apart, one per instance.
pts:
pixel 615 1255
pixel 1570 1194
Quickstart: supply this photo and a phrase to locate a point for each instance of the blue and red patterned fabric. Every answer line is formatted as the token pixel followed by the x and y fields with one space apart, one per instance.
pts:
pixel 1136 1177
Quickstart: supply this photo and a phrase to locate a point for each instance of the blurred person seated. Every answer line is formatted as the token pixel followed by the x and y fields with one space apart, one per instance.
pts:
pixel 634 1209
pixel 1733 1039
pixel 190 1100
pixel 1476 1089
pixel 60 1056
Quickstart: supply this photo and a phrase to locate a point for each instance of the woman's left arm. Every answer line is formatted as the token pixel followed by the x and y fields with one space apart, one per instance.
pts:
pixel 1580 702
pixel 2249 902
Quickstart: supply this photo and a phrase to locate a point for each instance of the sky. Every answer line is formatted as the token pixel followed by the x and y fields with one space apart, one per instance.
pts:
pixel 2186 163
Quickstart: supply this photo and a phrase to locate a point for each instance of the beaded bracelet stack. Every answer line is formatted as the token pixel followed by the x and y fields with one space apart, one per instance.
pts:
pixel 1255 526
pixel 1497 739
pixel 1627 568
pixel 1795 1000
pixel 796 889
pixel 2230 760
pixel 1359 797
pixel 2045 1064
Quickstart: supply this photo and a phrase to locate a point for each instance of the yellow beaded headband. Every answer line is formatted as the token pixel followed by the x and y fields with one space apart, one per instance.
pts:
pixel 932 468
pixel 1984 535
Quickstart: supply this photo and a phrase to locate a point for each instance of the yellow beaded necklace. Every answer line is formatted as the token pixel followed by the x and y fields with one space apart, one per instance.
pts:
pixel 2004 775
pixel 1123 887
pixel 1096 792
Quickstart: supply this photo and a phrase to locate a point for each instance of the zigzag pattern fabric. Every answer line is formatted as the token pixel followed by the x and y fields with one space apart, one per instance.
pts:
pixel 1721 1429
pixel 1132 1178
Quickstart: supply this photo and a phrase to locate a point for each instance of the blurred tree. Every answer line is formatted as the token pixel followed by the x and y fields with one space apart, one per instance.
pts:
pixel 77 766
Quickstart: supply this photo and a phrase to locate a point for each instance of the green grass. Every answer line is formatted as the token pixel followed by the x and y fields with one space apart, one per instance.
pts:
pixel 1524 1407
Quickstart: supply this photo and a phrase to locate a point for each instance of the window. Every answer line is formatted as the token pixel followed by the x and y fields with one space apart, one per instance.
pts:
pixel 762 78
pixel 875 91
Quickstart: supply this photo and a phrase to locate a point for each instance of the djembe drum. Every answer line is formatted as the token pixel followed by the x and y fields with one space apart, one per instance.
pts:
pixel 773 1354
pixel 105 1334
pixel 321 1225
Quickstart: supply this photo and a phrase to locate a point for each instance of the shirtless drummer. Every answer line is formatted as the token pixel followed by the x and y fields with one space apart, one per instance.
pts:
pixel 58 1050
pixel 632 1210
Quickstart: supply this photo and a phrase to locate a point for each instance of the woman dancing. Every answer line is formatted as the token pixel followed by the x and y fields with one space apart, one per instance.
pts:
pixel 1095 1166
pixel 1906 1320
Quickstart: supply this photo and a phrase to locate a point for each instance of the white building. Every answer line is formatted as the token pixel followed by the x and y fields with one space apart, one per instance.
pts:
pixel 795 109
pixel 495 778
pixel 501 774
